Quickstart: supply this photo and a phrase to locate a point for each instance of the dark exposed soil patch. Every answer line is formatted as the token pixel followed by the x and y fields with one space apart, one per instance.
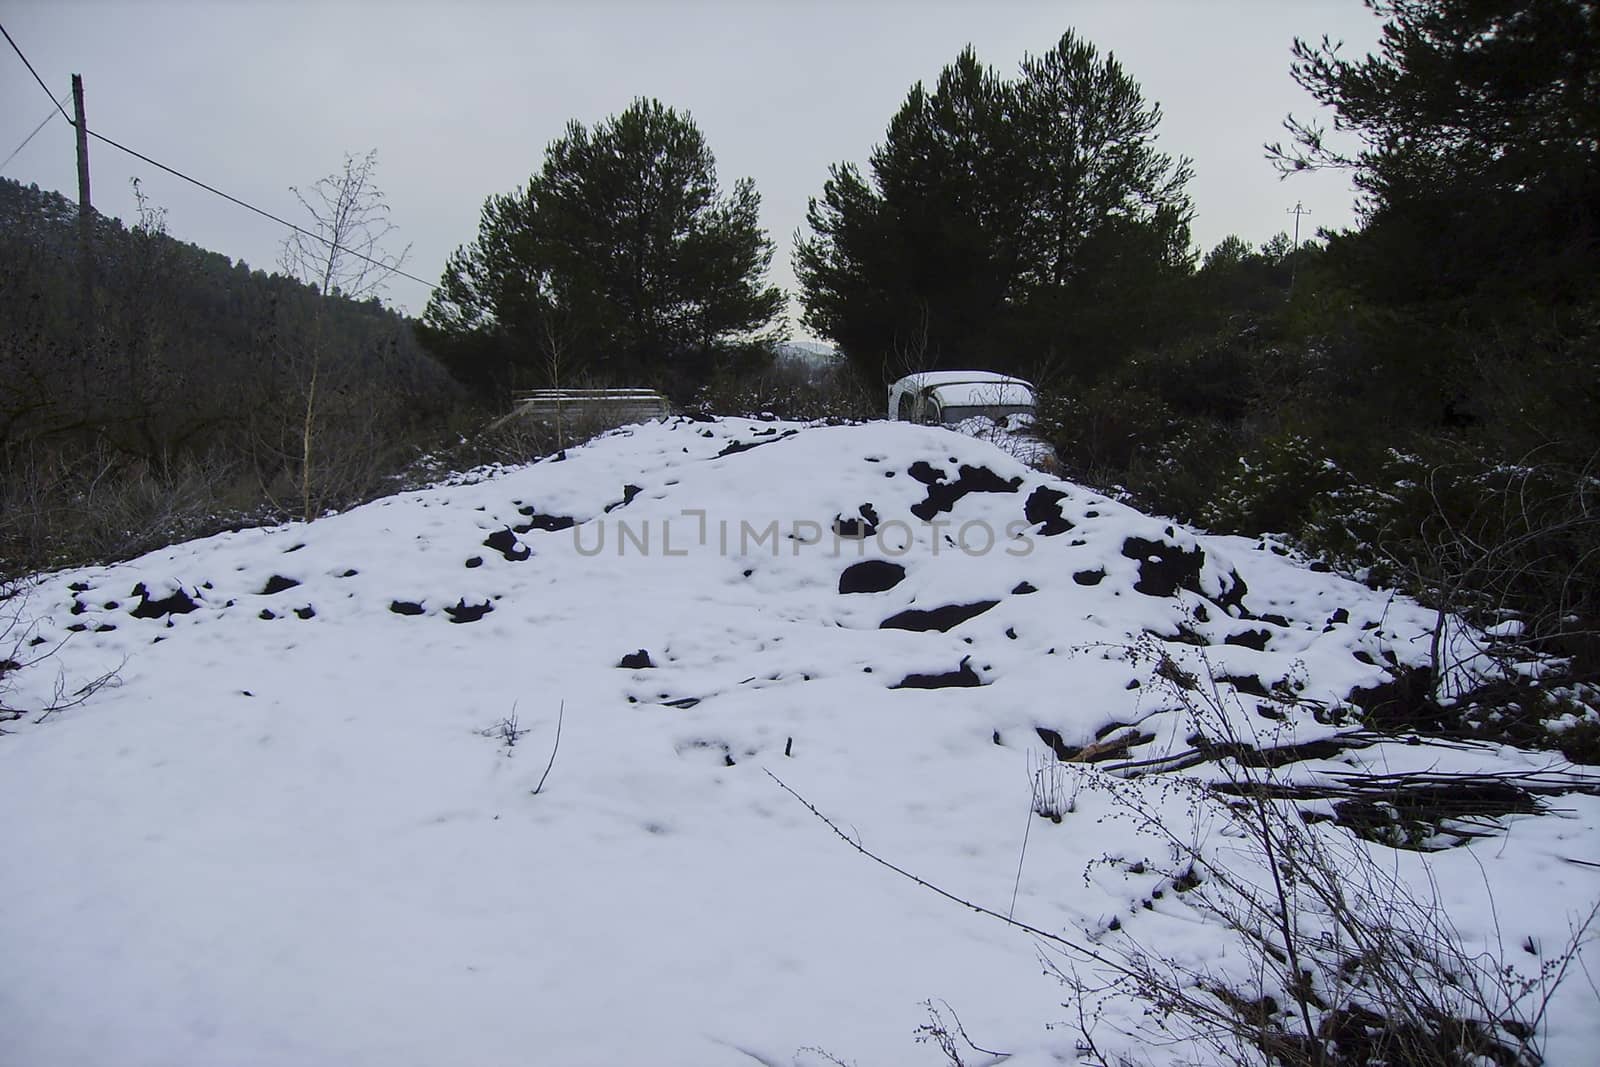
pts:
pixel 505 542
pixel 547 523
pixel 737 446
pixel 962 676
pixel 871 576
pixel 1244 683
pixel 942 496
pixel 178 603
pixel 1053 738
pixel 1256 639
pixel 1043 509
pixel 857 528
pixel 1232 597
pixel 461 611
pixel 1164 568
pixel 628 493
pixel 941 619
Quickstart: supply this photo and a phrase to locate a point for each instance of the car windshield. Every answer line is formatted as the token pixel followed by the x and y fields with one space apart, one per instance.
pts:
pixel 997 412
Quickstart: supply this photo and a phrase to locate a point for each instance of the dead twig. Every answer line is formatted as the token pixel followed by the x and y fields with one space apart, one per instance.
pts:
pixel 560 714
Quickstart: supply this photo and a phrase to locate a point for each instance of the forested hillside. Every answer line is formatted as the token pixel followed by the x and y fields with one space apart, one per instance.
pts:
pixel 180 400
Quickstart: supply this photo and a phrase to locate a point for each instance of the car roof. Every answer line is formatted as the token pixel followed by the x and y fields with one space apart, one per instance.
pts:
pixel 958 377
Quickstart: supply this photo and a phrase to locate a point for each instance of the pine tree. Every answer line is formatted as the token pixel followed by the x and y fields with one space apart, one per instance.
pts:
pixel 1089 140
pixel 1479 124
pixel 620 256
pixel 1004 222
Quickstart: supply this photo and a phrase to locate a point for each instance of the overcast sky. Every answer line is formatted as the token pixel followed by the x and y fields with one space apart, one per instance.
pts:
pixel 460 99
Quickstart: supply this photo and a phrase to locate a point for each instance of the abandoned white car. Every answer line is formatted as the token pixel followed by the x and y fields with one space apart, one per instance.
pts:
pixel 951 397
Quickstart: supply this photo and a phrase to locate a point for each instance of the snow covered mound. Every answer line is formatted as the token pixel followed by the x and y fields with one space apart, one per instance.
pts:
pixel 302 829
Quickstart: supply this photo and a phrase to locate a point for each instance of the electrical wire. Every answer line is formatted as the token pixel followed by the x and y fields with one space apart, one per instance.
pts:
pixel 35 74
pixel 259 211
pixel 197 182
pixel 48 115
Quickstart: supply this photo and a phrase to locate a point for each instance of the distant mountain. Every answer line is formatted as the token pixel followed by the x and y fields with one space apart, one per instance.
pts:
pixel 815 353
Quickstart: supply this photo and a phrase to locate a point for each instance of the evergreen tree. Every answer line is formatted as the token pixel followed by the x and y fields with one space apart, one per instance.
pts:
pixel 1479 123
pixel 999 215
pixel 1092 162
pixel 620 259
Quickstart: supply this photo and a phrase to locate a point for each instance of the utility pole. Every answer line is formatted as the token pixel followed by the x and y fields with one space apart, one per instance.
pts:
pixel 1294 251
pixel 85 214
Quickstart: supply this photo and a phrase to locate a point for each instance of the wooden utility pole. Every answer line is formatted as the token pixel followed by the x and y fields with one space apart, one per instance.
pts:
pixel 85 211
pixel 1294 252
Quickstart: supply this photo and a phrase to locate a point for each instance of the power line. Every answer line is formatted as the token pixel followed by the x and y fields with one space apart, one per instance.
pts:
pixel 197 182
pixel 259 211
pixel 35 74
pixel 48 115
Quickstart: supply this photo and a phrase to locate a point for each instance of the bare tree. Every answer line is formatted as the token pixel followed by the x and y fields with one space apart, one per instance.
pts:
pixel 557 336
pixel 910 352
pixel 342 253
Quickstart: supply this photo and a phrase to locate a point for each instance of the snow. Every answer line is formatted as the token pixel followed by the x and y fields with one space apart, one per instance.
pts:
pixel 294 832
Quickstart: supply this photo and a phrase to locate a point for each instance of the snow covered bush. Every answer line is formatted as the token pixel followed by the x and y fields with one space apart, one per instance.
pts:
pixel 22 649
pixel 1274 487
pixel 1512 548
pixel 1333 955
pixel 1101 433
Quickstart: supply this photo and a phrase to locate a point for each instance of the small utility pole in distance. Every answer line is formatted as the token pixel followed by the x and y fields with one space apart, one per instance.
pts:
pixel 1294 251
pixel 85 210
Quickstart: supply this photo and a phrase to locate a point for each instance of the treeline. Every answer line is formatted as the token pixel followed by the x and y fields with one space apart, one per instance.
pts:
pixel 177 403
